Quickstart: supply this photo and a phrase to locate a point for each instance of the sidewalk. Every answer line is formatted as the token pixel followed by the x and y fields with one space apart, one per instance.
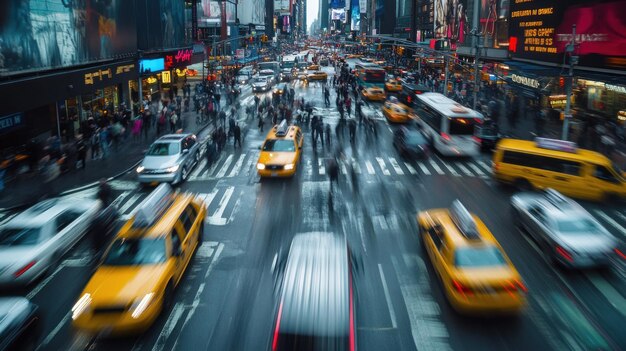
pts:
pixel 27 189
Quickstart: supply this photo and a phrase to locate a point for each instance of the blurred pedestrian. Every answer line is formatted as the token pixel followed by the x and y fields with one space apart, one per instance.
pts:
pixel 81 149
pixel 237 136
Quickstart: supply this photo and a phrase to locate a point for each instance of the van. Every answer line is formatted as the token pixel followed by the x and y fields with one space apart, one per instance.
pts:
pixel 560 165
pixel 141 268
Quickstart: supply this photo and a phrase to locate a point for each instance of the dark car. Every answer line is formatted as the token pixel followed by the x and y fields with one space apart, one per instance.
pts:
pixel 20 324
pixel 487 136
pixel 316 310
pixel 410 143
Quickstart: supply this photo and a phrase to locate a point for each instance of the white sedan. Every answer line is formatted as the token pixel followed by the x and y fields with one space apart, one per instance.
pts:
pixel 37 238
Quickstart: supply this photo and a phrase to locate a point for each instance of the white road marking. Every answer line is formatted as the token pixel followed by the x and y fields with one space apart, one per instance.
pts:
pixel 123 185
pixel 120 199
pixel 225 166
pixel 476 169
pixel 343 168
pixel 382 165
pixel 320 167
pixel 612 222
pixel 129 203
pixel 396 166
pixel 207 198
pixel 308 168
pixel 423 168
pixel 357 166
pixel 237 166
pixel 436 167
pixel 612 295
pixel 169 326
pixel 216 218
pixel 392 312
pixel 382 221
pixel 452 170
pixel 206 249
pixel 37 289
pixel 485 166
pixel 410 168
pixel 56 330
pixel 370 167
pixel 464 170
pixel 199 168
pixel 251 161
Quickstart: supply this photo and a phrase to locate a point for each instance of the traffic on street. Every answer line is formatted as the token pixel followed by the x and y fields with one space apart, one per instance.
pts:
pixel 325 197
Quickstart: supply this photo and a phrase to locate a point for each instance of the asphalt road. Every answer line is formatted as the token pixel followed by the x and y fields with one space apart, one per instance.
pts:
pixel 227 299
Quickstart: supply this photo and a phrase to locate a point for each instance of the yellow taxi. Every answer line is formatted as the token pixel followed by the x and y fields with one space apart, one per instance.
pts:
pixel 144 264
pixel 373 94
pixel 353 56
pixel 393 85
pixel 313 68
pixel 280 153
pixel 396 112
pixel 476 274
pixel 318 75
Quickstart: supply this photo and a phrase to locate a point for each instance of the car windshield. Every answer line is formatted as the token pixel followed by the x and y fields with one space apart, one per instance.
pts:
pixel 164 149
pixel 577 226
pixel 618 171
pixel 279 145
pixel 19 236
pixel 461 126
pixel 260 80
pixel 478 257
pixel 415 138
pixel 133 252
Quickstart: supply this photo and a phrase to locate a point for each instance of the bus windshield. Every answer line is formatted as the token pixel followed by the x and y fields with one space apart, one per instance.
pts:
pixel 375 76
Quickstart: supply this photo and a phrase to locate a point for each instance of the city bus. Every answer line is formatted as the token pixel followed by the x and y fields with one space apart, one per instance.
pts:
pixel 369 75
pixel 448 125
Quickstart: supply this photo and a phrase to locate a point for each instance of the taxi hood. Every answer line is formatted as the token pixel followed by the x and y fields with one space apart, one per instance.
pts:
pixel 277 158
pixel 121 285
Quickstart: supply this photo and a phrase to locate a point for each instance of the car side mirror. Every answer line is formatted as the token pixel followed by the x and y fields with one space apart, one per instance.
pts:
pixel 185 151
pixel 259 147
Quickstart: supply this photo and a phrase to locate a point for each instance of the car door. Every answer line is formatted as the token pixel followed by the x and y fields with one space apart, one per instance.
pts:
pixel 604 183
pixel 538 224
pixel 176 235
pixel 67 229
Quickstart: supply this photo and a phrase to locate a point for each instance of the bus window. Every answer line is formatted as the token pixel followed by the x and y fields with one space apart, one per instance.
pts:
pixel 461 126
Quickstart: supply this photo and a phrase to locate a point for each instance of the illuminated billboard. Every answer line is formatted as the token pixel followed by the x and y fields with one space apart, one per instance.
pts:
pixel 541 29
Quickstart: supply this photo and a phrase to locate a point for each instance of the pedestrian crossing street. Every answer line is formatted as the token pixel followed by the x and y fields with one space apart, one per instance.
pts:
pixel 244 164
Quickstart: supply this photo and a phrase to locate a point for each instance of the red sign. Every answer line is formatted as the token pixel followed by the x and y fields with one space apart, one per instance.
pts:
pixel 182 56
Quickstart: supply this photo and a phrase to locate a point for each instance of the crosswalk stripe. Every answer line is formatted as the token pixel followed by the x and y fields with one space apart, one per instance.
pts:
pixel 225 167
pixel 423 168
pixel 357 166
pixel 485 166
pixel 464 170
pixel 251 164
pixel 320 167
pixel 382 165
pixel 476 169
pixel 436 166
pixel 199 168
pixel 370 167
pixel 611 221
pixel 238 165
pixel 344 170
pixel 216 217
pixel 207 198
pixel 129 203
pixel 396 166
pixel 309 167
pixel 620 215
pixel 410 168
pixel 452 170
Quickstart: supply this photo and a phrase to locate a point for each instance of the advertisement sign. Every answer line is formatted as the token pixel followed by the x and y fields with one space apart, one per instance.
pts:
pixel 161 25
pixel 283 7
pixel 451 20
pixel 541 29
pixel 178 58
pixel 338 15
pixel 210 13
pixel 48 34
pixel 251 11
pixel 363 6
pixel 240 53
pixel 337 4
pixel 148 66
pixel 11 122
pixel 355 18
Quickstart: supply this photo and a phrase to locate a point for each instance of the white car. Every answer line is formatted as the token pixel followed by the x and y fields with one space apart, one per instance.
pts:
pixel 37 238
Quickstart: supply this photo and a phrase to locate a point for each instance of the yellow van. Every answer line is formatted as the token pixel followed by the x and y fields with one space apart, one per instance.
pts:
pixel 475 273
pixel 560 165
pixel 140 270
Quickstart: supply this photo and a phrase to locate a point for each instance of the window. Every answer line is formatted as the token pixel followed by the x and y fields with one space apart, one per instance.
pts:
pixel 186 221
pixel 429 116
pixel 542 162
pixel 192 213
pixel 164 149
pixel 19 236
pixel 605 174
pixel 436 234
pixel 136 251
pixel 577 226
pixel 279 145
pixel 65 219
pixel 461 126
pixel 175 243
pixel 486 256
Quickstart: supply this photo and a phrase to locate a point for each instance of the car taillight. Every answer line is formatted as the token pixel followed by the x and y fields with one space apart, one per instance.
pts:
pixel 477 139
pixel 620 253
pixel 462 288
pixel 514 286
pixel 277 330
pixel 563 253
pixel 24 269
pixel 496 166
pixel 445 137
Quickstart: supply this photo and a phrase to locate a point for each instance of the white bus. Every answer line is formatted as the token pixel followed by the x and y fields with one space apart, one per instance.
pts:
pixel 447 124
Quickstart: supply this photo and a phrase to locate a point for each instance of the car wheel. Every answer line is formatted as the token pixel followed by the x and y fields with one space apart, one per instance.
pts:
pixel 168 297
pixel 611 198
pixel 201 234
pixel 523 184
pixel 184 174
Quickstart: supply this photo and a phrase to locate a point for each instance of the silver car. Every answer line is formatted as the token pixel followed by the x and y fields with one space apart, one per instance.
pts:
pixel 565 232
pixel 37 238
pixel 263 83
pixel 169 159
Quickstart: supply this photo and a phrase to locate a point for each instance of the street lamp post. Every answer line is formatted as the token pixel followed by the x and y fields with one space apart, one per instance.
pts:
pixel 476 58
pixel 570 81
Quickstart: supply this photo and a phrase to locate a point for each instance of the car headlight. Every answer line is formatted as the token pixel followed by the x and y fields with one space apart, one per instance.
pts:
pixel 140 169
pixel 81 306
pixel 289 166
pixel 139 306
pixel 172 169
pixel 260 166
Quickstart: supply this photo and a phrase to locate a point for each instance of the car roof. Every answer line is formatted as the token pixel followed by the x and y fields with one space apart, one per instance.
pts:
pixel 556 205
pixel 455 235
pixel 290 135
pixel 531 147
pixel 43 212
pixel 172 137
pixel 315 290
